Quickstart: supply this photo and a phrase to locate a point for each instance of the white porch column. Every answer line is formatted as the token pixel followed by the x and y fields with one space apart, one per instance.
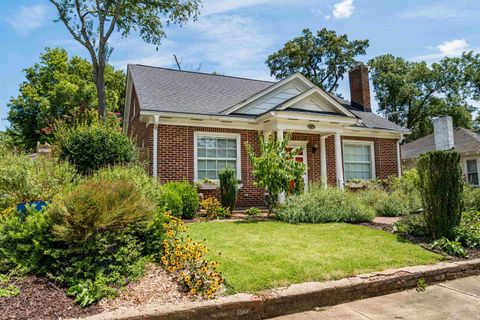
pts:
pixel 155 148
pixel 323 162
pixel 281 197
pixel 339 161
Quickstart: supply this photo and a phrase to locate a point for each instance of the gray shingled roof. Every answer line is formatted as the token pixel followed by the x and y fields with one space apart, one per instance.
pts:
pixel 465 140
pixel 160 89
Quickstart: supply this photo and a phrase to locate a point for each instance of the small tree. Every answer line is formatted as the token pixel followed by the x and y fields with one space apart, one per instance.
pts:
pixel 275 168
pixel 441 185
pixel 228 188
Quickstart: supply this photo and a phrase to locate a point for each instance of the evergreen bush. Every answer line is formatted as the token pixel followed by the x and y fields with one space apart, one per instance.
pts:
pixel 228 188
pixel 188 196
pixel 441 186
pixel 91 147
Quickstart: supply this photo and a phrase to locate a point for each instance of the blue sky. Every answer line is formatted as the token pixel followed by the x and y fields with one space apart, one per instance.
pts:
pixel 234 37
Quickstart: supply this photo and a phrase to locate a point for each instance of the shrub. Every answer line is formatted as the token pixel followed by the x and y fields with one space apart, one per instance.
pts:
pixel 452 248
pixel 252 213
pixel 91 147
pixel 188 195
pixel 408 187
pixel 413 224
pixel 392 205
pixel 186 257
pixel 145 184
pixel 468 232
pixel 471 198
pixel 321 205
pixel 96 206
pixel 24 179
pixel 211 206
pixel 171 201
pixel 441 185
pixel 228 188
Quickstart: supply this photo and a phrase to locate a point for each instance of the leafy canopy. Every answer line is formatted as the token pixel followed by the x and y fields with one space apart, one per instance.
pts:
pixel 411 93
pixel 323 58
pixel 91 23
pixel 275 168
pixel 58 88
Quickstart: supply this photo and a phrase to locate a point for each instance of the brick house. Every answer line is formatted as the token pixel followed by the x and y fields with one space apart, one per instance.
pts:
pixel 194 124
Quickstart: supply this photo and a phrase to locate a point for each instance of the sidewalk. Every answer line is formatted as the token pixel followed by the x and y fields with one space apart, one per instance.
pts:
pixel 457 299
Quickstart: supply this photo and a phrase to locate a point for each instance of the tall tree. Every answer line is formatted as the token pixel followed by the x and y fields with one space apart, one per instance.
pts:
pixel 411 93
pixel 92 23
pixel 323 58
pixel 58 87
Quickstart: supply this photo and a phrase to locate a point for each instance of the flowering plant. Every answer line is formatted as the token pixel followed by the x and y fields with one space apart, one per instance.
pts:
pixel 186 257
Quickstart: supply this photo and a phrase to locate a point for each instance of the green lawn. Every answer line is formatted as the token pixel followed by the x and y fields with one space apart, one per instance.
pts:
pixel 263 255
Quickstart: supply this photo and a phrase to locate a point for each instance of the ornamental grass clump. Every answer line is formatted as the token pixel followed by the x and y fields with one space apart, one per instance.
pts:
pixel 185 257
pixel 320 205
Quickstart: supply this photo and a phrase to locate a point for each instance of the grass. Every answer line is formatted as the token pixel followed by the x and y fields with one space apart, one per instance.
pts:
pixel 264 255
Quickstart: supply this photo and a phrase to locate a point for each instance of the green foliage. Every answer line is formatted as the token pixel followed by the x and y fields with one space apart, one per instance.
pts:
pixel 228 188
pixel 324 58
pixel 468 232
pixel 411 93
pixel 320 205
pixel 441 186
pixel 58 87
pixel 275 168
pixel 421 285
pixel 393 205
pixel 91 147
pixel 213 209
pixel 144 183
pixel 94 206
pixel 251 213
pixel 24 179
pixel 452 248
pixel 413 224
pixel 6 288
pixel 189 202
pixel 471 198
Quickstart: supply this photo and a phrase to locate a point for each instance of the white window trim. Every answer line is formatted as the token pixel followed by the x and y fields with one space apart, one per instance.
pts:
pixel 465 170
pixel 220 135
pixel 372 154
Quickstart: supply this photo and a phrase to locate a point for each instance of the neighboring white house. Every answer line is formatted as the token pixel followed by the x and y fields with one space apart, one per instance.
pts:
pixel 446 137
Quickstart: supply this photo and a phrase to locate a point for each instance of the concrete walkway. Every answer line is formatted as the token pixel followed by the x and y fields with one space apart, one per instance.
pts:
pixel 457 299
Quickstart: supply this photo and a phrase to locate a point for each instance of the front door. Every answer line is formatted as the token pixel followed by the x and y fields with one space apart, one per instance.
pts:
pixel 300 157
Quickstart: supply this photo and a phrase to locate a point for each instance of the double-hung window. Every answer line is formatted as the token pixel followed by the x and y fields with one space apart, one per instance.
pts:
pixel 358 160
pixel 214 152
pixel 472 171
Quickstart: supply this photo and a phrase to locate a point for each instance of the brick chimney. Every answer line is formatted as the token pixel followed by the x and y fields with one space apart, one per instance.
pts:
pixel 360 88
pixel 443 133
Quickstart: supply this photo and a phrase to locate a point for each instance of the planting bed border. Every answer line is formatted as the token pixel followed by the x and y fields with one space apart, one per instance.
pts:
pixel 301 297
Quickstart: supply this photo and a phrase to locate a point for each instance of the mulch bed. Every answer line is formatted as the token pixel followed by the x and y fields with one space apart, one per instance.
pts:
pixel 41 299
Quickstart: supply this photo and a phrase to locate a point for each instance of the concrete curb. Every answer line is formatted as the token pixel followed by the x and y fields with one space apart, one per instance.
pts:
pixel 301 297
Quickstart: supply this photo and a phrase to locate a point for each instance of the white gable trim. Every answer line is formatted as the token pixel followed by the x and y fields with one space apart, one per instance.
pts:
pixel 267 91
pixel 317 90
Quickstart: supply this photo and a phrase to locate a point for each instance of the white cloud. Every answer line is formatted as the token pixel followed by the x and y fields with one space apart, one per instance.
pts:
pixel 343 9
pixel 434 12
pixel 28 18
pixel 452 48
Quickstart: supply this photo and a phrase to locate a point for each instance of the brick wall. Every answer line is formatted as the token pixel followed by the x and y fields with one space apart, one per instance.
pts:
pixel 176 157
pixel 136 129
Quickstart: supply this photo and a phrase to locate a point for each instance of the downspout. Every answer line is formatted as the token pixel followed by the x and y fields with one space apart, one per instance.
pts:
pixel 399 159
pixel 155 147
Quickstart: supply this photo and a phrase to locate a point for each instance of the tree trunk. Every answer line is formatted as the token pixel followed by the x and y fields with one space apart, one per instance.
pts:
pixel 102 98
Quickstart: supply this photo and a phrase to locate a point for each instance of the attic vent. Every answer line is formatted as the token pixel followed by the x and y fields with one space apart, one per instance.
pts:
pixel 311 126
